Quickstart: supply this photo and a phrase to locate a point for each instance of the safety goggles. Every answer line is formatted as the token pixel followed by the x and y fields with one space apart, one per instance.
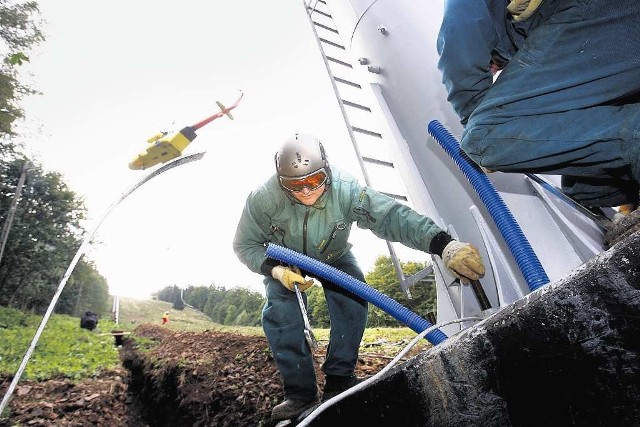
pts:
pixel 313 181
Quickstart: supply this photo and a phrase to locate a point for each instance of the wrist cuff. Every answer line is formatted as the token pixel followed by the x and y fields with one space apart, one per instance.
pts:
pixel 267 266
pixel 438 243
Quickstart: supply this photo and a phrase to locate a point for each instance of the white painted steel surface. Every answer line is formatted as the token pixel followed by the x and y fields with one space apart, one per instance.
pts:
pixel 398 38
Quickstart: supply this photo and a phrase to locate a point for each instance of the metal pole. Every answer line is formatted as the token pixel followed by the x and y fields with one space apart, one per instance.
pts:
pixel 6 226
pixel 478 291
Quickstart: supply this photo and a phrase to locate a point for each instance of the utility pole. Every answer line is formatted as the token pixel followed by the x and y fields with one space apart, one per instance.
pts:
pixel 115 309
pixel 4 234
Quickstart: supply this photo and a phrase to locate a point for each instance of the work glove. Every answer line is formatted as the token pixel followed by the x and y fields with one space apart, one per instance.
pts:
pixel 463 260
pixel 290 275
pixel 523 9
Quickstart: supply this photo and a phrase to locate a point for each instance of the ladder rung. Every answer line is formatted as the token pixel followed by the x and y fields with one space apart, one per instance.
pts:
pixel 354 105
pixel 347 82
pixel 366 132
pixel 339 46
pixel 395 196
pixel 311 7
pixel 377 162
pixel 320 12
pixel 337 61
pixel 333 30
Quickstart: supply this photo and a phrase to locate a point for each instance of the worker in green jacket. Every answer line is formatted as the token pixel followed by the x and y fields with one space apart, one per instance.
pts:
pixel 309 207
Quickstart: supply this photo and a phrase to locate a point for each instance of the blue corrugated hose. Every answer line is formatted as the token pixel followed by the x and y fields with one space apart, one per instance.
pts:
pixel 356 287
pixel 525 257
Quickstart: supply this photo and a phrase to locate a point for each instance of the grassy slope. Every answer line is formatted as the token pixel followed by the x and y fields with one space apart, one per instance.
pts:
pixel 388 341
pixel 135 311
pixel 63 349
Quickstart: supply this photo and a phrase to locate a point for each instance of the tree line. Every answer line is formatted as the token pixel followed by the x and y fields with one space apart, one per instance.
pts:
pixel 42 231
pixel 40 217
pixel 242 307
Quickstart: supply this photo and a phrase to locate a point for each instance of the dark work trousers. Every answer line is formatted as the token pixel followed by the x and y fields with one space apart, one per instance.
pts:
pixel 284 327
pixel 568 103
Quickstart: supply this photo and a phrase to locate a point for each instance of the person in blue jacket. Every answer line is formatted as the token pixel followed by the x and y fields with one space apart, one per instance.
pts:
pixel 309 207
pixel 567 99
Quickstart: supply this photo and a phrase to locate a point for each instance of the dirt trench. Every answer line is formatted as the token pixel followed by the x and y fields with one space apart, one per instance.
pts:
pixel 210 378
pixel 201 378
pixel 168 378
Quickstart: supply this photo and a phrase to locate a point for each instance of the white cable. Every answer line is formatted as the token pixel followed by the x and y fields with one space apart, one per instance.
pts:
pixel 374 378
pixel 83 247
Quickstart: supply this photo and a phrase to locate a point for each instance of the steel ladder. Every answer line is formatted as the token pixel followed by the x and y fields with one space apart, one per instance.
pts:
pixel 359 116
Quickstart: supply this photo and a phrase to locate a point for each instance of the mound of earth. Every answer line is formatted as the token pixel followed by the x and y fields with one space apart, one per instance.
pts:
pixel 99 401
pixel 209 378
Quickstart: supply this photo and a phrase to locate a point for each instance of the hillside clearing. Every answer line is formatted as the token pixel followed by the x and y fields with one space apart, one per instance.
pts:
pixel 189 371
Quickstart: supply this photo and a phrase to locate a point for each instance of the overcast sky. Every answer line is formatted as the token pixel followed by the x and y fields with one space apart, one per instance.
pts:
pixel 115 73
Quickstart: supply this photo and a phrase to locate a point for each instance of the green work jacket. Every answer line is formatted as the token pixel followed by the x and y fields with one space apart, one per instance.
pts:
pixel 322 231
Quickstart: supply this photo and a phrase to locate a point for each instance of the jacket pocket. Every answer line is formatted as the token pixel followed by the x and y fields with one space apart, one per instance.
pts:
pixel 337 235
pixel 277 234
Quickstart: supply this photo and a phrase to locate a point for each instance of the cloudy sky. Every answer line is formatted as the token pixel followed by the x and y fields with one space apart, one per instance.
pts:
pixel 115 73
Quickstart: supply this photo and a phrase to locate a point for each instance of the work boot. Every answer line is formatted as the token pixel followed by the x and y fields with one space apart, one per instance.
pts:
pixel 623 226
pixel 291 408
pixel 336 384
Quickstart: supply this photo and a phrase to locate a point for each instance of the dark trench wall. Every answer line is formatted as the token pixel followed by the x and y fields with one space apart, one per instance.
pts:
pixel 567 354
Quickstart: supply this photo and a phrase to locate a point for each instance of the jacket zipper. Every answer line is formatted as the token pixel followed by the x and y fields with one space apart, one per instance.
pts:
pixel 338 226
pixel 275 230
pixel 304 232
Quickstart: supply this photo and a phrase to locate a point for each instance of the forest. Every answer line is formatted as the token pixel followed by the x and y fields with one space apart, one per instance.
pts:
pixel 241 307
pixel 41 217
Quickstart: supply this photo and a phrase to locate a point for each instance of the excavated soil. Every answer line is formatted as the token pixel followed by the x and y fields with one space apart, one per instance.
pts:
pixel 206 378
pixel 100 401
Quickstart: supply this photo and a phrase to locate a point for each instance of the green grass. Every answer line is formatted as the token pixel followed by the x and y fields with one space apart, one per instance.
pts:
pixel 134 312
pixel 64 349
pixel 383 341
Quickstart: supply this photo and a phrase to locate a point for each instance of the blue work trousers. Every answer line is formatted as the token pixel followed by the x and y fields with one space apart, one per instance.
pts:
pixel 284 327
pixel 568 103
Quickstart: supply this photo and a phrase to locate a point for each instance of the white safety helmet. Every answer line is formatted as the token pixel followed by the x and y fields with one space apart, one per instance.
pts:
pixel 301 162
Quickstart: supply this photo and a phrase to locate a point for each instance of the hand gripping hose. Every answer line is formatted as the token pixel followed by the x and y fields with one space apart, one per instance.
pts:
pixel 524 255
pixel 357 287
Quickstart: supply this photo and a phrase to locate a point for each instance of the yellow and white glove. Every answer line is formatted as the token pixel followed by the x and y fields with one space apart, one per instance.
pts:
pixel 523 9
pixel 290 275
pixel 463 260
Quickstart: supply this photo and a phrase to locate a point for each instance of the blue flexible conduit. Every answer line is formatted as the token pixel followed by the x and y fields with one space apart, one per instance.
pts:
pixel 356 287
pixel 524 255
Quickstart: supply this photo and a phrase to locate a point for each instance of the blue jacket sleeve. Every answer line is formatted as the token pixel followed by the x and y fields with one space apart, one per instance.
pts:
pixel 465 42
